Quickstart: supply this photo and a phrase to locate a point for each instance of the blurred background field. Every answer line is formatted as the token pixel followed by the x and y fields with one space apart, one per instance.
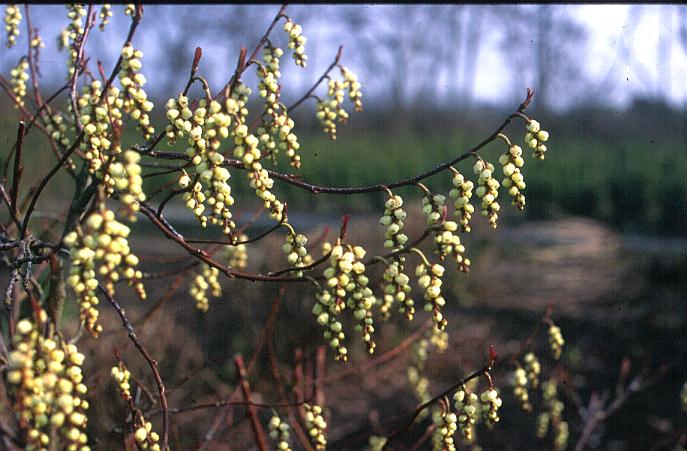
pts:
pixel 603 236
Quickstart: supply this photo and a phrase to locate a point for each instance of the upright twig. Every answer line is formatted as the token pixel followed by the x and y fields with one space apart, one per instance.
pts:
pixel 151 362
pixel 258 431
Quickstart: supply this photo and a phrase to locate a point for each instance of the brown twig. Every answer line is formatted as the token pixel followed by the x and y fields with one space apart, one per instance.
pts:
pixel 318 82
pixel 258 431
pixel 18 170
pixel 483 371
pixel 151 362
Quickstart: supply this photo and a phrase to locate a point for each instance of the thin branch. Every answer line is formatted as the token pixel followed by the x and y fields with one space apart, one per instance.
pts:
pixel 151 362
pixel 260 437
pixel 44 181
pixel 318 82
pixel 18 168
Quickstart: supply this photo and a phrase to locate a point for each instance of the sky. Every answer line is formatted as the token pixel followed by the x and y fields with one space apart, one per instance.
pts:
pixel 646 32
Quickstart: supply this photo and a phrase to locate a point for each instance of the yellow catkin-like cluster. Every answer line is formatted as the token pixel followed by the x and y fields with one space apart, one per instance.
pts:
pixel 461 193
pixel 520 389
pixel 393 218
pixel 487 190
pixel 353 85
pixel 446 243
pixel 68 38
pixel 101 243
pixel 36 45
pixel 466 404
pixel 46 384
pixel 446 425
pixel 533 369
pixel 144 435
pixel 104 15
pixel 556 341
pixel 535 138
pixel 122 378
pixel 126 177
pixel 136 102
pixel 20 75
pixel 429 279
pixel 397 289
pixel 553 416
pixel 269 74
pixel 491 402
pixel 12 21
pixel 246 149
pixel 341 278
pixel 205 129
pixel 204 285
pixel 277 134
pixel 96 144
pixel 296 42
pixel 433 339
pixel 130 9
pixel 295 250
pixel 511 163
pixel 315 425
pixel 56 126
pixel 237 255
pixel 361 302
pixel 279 431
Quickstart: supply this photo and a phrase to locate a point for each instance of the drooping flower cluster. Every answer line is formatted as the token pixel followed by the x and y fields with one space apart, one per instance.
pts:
pixel 277 134
pixel 446 243
pixel 315 426
pixel 556 341
pixel 342 277
pixel 279 431
pixel 462 192
pixel 125 176
pixel 205 128
pixel 12 21
pixel 446 425
pixel 361 302
pixel 100 243
pixel 19 76
pixel 511 163
pixel 393 218
pixel 236 255
pixel 466 404
pixel 491 402
pixel 46 384
pixel 329 110
pixel 429 279
pixel 553 416
pixel 535 138
pixel 353 85
pixel 57 127
pixel 95 118
pixel 520 389
pixel 487 190
pixel 144 435
pixel 397 289
pixel 296 42
pixel 433 340
pixel 246 149
pixel 136 102
pixel 104 15
pixel 204 285
pixel 296 252
pixel 533 369
pixel 71 33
